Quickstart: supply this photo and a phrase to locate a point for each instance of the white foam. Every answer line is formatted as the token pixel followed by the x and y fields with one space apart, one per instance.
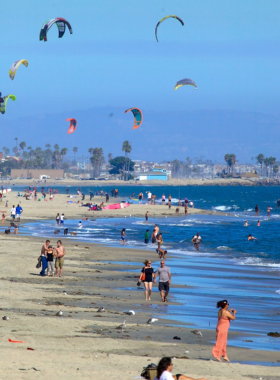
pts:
pixel 258 262
pixel 277 291
pixel 224 248
pixel 222 208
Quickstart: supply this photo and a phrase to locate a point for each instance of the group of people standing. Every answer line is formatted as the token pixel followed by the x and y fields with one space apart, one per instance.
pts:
pixel 48 254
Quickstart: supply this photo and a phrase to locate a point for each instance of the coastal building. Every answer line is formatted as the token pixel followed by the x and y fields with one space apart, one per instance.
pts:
pixel 158 173
pixel 37 173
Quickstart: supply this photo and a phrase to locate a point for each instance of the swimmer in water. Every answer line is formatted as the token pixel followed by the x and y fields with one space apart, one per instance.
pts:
pixel 251 238
pixel 278 203
pixel 258 224
pixel 257 210
pixel 246 224
pixel 80 225
pixel 268 210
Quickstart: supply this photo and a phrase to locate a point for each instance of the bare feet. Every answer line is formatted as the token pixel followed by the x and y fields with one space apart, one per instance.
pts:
pixel 219 360
pixel 226 359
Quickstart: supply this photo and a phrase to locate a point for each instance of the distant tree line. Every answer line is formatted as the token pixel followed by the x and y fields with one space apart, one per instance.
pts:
pixel 268 162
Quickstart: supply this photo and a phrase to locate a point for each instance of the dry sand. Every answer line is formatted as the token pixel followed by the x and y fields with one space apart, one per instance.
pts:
pixel 83 344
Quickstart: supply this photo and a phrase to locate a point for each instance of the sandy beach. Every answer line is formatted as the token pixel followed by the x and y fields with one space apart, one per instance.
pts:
pixel 84 343
pixel 60 204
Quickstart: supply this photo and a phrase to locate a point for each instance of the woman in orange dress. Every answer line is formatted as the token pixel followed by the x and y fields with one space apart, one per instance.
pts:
pixel 224 317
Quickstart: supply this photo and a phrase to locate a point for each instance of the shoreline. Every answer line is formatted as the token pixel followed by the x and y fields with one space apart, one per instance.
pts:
pixel 85 290
pixel 83 339
pixel 171 182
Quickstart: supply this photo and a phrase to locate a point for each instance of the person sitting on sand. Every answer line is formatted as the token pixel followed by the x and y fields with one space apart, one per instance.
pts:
pixel 164 369
pixel 251 238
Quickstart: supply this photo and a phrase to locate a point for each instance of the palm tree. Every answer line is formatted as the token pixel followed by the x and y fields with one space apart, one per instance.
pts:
pixel 260 160
pixel 110 156
pixel 266 164
pixel 48 146
pixel 272 162
pixel 227 158
pixel 126 147
pixel 96 160
pixel 22 145
pixel 16 141
pixel 275 170
pixel 63 153
pixel 6 150
pixel 75 150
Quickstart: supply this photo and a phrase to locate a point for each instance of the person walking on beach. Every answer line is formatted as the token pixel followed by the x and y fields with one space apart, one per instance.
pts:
pixel 224 318
pixel 3 218
pixel 13 212
pixel 50 254
pixel 196 240
pixel 57 218
pixel 149 197
pixel 154 237
pixel 19 210
pixel 157 229
pixel 147 216
pixel 59 261
pixel 169 201
pixel 147 275
pixel 160 251
pixel 164 280
pixel 62 219
pixel 147 237
pixel 15 229
pixel 123 237
pixel 163 199
pixel 257 210
pixel 44 261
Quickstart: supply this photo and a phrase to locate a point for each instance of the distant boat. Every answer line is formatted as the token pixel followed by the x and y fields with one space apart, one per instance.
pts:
pixel 116 206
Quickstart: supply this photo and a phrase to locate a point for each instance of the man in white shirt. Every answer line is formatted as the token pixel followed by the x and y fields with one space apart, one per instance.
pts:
pixel 149 197
pixel 164 280
pixel 62 219
pixel 13 212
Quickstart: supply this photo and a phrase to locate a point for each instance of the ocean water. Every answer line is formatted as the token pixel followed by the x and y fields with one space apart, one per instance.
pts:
pixel 228 266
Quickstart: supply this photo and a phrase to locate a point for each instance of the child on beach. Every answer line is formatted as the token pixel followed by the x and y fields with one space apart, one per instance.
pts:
pixel 3 218
pixel 50 254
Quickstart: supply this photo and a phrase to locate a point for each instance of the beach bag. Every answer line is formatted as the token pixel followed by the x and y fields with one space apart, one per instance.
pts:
pixel 149 372
pixel 143 276
pixel 39 263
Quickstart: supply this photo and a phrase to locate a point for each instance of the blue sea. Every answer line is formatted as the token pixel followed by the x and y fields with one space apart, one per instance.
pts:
pixel 228 266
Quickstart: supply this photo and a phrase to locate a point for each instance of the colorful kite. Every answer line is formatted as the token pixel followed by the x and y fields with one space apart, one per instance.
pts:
pixel 73 125
pixel 164 18
pixel 138 117
pixel 184 82
pixel 3 102
pixel 61 25
pixel 15 66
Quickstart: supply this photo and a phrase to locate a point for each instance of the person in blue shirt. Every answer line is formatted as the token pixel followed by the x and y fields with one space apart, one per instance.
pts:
pixel 19 210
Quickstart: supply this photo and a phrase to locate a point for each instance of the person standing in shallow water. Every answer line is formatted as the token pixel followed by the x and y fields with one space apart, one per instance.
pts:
pixel 225 315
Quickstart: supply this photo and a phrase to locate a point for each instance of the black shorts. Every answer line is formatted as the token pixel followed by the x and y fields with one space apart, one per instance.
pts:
pixel 163 286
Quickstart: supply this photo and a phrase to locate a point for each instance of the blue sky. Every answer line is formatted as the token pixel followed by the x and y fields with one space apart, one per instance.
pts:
pixel 112 61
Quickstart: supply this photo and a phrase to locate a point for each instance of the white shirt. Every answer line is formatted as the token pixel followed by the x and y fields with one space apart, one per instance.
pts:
pixel 166 375
pixel 149 195
pixel 62 217
pixel 13 211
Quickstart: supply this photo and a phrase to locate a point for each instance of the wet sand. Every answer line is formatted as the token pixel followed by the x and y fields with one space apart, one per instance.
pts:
pixel 84 343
